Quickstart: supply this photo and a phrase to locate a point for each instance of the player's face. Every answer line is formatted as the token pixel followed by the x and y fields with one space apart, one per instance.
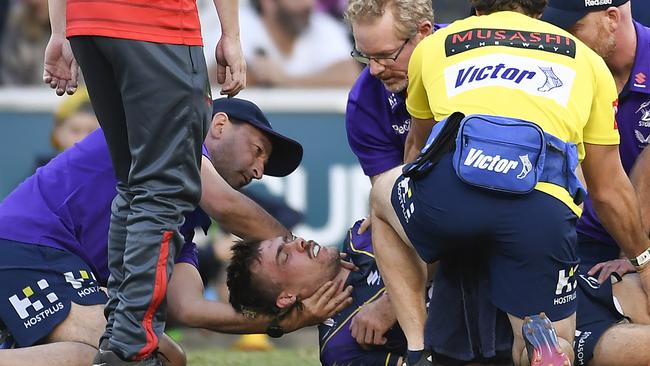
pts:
pixel 297 266
pixel 380 39
pixel 74 129
pixel 595 31
pixel 242 152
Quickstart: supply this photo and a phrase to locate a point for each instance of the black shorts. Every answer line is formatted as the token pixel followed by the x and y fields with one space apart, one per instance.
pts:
pixel 530 239
pixel 38 284
pixel 597 312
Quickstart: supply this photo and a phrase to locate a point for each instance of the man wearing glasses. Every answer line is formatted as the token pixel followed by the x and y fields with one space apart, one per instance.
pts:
pixel 377 123
pixel 376 119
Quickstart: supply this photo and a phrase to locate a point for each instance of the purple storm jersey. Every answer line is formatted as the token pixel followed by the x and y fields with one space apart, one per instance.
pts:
pixel 633 120
pixel 66 205
pixel 377 123
pixel 337 347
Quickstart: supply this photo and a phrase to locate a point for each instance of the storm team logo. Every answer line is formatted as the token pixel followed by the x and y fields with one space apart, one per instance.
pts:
pixel 644 110
pixel 644 121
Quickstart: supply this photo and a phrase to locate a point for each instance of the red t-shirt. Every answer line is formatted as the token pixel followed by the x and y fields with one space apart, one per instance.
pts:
pixel 159 21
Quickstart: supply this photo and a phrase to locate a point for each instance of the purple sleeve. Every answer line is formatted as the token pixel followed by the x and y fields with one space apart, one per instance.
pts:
pixel 374 149
pixel 188 254
pixel 358 243
pixel 205 152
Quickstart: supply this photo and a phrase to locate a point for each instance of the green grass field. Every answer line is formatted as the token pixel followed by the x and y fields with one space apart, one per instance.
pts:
pixel 282 357
pixel 205 348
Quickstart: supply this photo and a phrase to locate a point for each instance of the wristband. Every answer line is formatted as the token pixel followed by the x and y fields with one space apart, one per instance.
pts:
pixel 274 330
pixel 642 259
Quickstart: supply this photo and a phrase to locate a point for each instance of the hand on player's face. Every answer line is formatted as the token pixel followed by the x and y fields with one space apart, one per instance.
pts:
pixel 327 301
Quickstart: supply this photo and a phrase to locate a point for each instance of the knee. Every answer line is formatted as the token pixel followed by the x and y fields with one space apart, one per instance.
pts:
pixel 374 197
pixel 379 196
pixel 172 354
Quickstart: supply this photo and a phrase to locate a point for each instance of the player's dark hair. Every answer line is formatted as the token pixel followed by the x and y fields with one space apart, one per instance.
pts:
pixel 248 292
pixel 529 7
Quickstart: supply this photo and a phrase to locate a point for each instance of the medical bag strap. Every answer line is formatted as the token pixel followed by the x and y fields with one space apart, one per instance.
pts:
pixel 442 144
pixel 559 168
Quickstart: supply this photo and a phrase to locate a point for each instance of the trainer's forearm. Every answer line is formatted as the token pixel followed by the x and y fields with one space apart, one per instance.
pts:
pixel 237 213
pixel 57 16
pixel 221 317
pixel 640 177
pixel 619 212
pixel 417 136
pixel 228 11
pixel 243 217
pixel 187 306
pixel 614 198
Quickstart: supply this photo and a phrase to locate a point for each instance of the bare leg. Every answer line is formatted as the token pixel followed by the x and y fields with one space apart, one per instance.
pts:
pixel 403 271
pixel 84 324
pixel 623 345
pixel 564 328
pixel 630 295
pixel 74 342
pixel 626 344
pixel 53 354
pixel 170 352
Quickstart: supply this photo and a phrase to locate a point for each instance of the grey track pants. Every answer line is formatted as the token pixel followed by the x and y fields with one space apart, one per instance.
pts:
pixel 153 103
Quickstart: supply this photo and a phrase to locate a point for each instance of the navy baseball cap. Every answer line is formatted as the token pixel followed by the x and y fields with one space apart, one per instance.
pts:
pixel 286 154
pixel 565 13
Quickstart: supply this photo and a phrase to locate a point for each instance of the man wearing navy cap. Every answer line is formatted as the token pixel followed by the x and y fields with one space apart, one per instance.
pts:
pixel 607 27
pixel 53 236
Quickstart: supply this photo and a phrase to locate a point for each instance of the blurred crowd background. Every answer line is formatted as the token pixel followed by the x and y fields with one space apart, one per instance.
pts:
pixel 287 43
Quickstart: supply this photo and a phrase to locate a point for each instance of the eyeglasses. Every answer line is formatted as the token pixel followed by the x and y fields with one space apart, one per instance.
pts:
pixel 360 57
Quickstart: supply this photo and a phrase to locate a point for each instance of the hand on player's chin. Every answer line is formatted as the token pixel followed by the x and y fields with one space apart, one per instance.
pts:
pixel 328 300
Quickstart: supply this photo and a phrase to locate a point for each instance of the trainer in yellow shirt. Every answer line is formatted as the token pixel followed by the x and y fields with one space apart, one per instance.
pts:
pixel 520 75
pixel 529 70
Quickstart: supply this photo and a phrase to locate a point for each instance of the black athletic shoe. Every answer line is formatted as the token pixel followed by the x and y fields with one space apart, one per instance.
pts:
pixel 106 357
pixel 425 360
